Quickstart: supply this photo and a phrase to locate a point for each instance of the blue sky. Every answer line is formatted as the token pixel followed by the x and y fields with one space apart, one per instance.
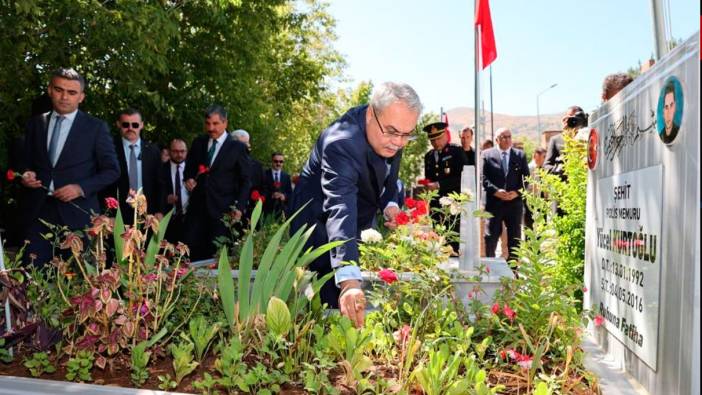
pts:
pixel 429 44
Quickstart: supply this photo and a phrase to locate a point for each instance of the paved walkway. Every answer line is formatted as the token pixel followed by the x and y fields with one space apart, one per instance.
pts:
pixel 613 380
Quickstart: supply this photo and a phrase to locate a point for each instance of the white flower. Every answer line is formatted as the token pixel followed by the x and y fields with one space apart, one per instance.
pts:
pixel 371 236
pixel 445 201
pixel 455 209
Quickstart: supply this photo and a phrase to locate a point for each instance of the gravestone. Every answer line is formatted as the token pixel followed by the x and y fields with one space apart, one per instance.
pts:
pixel 642 227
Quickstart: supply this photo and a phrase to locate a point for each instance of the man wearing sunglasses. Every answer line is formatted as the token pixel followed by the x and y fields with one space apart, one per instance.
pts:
pixel 277 186
pixel 139 163
pixel 349 178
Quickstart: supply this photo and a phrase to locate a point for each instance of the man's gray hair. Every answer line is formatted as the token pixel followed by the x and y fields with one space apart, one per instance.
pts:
pixel 388 93
pixel 239 133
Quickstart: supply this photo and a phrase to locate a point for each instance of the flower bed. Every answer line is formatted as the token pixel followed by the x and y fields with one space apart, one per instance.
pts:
pixel 148 322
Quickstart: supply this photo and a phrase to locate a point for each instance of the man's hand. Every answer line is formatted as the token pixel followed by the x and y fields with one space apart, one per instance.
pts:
pixel 352 302
pixel 502 194
pixel 278 196
pixel 171 199
pixel 433 186
pixel 190 184
pixel 29 180
pixel 390 213
pixel 68 192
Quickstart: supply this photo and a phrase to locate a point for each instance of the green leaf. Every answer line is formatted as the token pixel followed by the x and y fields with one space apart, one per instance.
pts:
pixel 278 317
pixel 225 285
pixel 245 267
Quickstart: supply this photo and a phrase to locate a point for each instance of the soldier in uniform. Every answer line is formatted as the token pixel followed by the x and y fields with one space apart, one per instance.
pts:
pixel 442 167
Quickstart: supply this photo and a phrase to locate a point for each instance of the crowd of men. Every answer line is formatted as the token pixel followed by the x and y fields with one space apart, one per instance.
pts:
pixel 69 164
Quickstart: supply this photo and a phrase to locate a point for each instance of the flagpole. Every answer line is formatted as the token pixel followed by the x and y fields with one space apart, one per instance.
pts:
pixel 477 108
pixel 492 119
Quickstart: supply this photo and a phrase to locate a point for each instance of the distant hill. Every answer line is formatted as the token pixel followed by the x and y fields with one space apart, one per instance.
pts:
pixel 520 125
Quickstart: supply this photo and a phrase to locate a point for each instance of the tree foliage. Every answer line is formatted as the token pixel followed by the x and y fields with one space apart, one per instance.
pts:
pixel 266 61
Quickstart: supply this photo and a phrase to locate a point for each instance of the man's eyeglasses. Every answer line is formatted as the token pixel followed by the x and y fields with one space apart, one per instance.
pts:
pixel 135 125
pixel 403 136
pixel 277 161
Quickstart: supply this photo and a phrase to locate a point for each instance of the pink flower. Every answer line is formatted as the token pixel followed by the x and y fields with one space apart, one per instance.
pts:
pixel 509 313
pixel 495 309
pixel 388 276
pixel 524 361
pixel 470 295
pixel 111 203
pixel 487 269
pixel 599 320
pixel 584 289
pixel 181 271
pixel 149 278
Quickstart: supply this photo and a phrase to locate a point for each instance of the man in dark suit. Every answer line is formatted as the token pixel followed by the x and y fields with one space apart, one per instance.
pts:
pixel 173 194
pixel 467 143
pixel 277 187
pixel 69 158
pixel 139 163
pixel 217 175
pixel 443 166
pixel 350 176
pixel 504 170
pixel 256 170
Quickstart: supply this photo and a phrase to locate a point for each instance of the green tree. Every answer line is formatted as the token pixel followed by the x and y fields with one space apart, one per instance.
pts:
pixel 264 60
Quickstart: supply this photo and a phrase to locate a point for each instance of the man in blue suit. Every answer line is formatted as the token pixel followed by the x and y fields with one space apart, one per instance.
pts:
pixel 218 177
pixel 350 176
pixel 69 158
pixel 504 170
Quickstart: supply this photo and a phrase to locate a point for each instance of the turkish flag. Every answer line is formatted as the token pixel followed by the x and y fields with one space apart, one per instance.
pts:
pixel 487 36
pixel 444 119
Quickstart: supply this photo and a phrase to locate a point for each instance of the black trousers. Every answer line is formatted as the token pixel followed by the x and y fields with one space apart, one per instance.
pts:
pixel 40 251
pixel 201 230
pixel 510 214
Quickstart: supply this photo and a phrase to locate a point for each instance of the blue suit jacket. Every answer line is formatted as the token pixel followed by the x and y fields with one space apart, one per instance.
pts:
pixel 88 159
pixel 494 178
pixel 345 182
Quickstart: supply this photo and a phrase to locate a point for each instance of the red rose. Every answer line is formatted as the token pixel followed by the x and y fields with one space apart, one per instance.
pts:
pixel 295 178
pixel 424 182
pixel 202 169
pixel 409 202
pixel 10 175
pixel 277 185
pixel 402 218
pixel 111 203
pixel 388 276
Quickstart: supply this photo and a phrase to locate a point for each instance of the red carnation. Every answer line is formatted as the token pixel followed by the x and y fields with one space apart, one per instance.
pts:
pixel 202 169
pixel 256 196
pixel 599 320
pixel 10 175
pixel 388 276
pixel 421 207
pixel 402 218
pixel 295 178
pixel 277 185
pixel 111 203
pixel 409 202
